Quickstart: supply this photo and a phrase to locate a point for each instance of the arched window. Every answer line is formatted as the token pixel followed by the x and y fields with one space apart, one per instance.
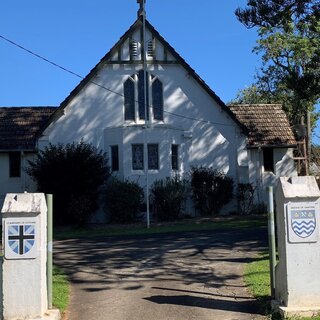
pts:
pixel 134 99
pixel 129 99
pixel 157 99
pixel 141 95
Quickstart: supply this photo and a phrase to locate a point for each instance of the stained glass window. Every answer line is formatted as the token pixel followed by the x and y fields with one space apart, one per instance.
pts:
pixel 136 105
pixel 157 99
pixel 137 156
pixel 153 157
pixel 142 104
pixel 129 100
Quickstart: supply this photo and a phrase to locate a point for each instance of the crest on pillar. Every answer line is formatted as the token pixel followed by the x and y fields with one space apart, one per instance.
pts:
pixel 303 222
pixel 21 238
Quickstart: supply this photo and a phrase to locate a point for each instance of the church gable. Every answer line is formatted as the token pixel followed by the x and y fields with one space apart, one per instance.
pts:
pixel 126 53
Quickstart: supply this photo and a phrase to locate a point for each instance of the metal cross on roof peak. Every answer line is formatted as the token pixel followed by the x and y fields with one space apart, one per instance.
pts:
pixel 141 10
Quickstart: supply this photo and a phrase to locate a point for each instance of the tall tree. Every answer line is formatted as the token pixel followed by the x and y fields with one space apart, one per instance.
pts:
pixel 289 43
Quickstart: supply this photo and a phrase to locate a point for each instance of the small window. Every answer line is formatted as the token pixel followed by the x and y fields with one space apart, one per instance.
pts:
pixel 137 157
pixel 15 164
pixel 157 99
pixel 174 157
pixel 129 100
pixel 153 157
pixel 268 160
pixel 114 158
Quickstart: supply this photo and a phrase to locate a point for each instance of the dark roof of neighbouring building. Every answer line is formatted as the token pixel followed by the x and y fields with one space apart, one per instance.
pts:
pixel 19 126
pixel 267 125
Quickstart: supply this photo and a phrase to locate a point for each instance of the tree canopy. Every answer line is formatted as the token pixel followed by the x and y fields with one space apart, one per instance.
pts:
pixel 289 44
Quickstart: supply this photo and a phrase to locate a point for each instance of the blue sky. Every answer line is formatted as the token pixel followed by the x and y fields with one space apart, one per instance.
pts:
pixel 77 34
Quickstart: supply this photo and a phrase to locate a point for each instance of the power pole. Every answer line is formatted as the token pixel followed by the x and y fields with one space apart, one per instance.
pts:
pixel 142 13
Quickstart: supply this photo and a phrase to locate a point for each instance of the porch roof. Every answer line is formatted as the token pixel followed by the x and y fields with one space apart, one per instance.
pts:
pixel 267 125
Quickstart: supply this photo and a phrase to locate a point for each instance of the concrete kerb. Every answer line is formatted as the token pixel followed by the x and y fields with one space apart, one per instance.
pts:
pixel 52 314
pixel 292 312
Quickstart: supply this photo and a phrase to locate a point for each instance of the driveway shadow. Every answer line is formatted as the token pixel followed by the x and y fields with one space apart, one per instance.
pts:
pixel 207 303
pixel 166 264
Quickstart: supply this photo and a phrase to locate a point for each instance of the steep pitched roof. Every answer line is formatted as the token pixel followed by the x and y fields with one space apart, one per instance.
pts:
pixel 19 126
pixel 113 50
pixel 267 125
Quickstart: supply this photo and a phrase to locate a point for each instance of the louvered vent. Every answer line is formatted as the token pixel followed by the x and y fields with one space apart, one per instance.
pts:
pixel 150 48
pixel 133 49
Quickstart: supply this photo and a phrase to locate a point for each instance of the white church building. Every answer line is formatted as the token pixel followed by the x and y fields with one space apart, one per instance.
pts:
pixel 187 123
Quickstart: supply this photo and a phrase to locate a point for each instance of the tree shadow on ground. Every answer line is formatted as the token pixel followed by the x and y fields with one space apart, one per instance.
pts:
pixel 205 258
pixel 207 303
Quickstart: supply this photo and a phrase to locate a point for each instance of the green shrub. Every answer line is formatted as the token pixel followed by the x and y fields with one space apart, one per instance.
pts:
pixel 167 198
pixel 211 189
pixel 123 200
pixel 245 197
pixel 74 174
pixel 259 208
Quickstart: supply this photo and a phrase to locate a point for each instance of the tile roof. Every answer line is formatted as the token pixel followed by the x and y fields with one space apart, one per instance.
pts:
pixel 19 126
pixel 267 124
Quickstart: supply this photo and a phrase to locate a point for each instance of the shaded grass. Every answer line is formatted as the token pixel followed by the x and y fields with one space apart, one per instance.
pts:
pixel 60 290
pixel 180 226
pixel 257 278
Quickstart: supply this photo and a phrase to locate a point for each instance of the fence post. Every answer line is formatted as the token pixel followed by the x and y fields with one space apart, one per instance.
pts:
pixel 272 241
pixel 49 250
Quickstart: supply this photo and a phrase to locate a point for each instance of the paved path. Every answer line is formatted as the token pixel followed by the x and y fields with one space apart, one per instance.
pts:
pixel 180 276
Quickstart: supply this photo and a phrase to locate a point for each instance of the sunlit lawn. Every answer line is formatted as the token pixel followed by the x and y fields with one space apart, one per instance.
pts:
pixel 60 290
pixel 257 278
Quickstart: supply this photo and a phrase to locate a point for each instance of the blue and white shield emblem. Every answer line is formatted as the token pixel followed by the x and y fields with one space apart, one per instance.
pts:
pixel 21 238
pixel 303 222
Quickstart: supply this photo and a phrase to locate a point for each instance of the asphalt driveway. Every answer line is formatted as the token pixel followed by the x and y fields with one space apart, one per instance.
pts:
pixel 194 275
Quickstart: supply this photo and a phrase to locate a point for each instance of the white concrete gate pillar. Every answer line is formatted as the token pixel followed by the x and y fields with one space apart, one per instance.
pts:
pixel 297 287
pixel 24 227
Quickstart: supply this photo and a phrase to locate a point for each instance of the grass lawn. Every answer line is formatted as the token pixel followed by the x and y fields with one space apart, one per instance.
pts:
pixel 217 223
pixel 60 290
pixel 257 279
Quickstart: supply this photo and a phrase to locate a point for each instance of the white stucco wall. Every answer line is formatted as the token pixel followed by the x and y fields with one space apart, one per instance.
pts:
pixel 21 184
pixel 283 167
pixel 97 116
